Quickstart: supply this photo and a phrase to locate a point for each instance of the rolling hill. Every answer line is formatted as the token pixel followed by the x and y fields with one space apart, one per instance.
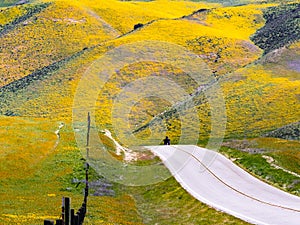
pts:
pixel 47 47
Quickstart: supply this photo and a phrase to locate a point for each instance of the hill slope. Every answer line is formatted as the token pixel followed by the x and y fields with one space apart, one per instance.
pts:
pixel 44 34
pixel 281 28
pixel 216 35
pixel 46 48
pixel 290 132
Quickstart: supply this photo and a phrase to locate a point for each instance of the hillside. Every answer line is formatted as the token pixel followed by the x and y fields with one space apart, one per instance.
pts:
pixel 247 90
pixel 290 132
pixel 25 47
pixel 281 28
pixel 6 3
pixel 248 85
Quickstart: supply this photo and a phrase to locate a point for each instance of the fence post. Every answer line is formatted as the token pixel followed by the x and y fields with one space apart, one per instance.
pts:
pixel 88 129
pixel 76 219
pixel 48 222
pixel 59 222
pixel 84 208
pixel 63 210
pixel 72 216
pixel 79 216
pixel 67 202
pixel 86 193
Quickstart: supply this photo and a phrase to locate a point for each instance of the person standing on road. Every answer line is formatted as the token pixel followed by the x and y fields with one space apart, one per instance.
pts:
pixel 167 141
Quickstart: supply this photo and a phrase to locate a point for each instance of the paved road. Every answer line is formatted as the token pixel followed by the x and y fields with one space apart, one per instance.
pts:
pixel 216 181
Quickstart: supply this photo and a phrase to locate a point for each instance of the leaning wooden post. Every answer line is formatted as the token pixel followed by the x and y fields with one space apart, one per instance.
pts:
pixel 67 203
pixel 63 210
pixel 88 131
pixel 86 193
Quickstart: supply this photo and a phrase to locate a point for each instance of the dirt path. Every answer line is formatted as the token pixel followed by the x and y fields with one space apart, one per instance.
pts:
pixel 271 161
pixel 57 132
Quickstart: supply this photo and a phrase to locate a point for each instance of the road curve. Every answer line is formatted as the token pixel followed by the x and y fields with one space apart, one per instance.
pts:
pixel 215 180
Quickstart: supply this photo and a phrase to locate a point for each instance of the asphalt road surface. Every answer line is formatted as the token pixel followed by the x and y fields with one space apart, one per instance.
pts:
pixel 215 180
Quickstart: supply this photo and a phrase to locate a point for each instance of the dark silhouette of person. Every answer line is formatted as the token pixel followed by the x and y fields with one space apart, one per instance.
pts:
pixel 167 141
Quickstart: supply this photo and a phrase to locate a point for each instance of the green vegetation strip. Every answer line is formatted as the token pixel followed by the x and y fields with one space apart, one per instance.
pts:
pixel 168 203
pixel 257 165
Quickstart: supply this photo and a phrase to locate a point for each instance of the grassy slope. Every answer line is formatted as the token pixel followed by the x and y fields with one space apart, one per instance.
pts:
pixel 119 13
pixel 284 62
pixel 52 96
pixel 167 203
pixel 47 36
pixel 257 100
pixel 9 14
pixel 263 96
pixel 221 31
pixel 188 32
pixel 268 102
pixel 37 173
pixel 35 105
pixel 284 153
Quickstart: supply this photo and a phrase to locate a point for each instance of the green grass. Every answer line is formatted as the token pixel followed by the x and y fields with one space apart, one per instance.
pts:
pixel 286 154
pixel 168 203
pixel 32 191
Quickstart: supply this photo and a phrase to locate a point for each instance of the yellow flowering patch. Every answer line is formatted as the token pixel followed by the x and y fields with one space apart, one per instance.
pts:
pixel 258 101
pixel 9 14
pixel 23 219
pixel 237 22
pixel 123 15
pixel 25 144
pixel 57 32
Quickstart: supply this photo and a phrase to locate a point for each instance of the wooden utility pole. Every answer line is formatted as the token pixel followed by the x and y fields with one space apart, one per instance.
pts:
pixel 86 193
